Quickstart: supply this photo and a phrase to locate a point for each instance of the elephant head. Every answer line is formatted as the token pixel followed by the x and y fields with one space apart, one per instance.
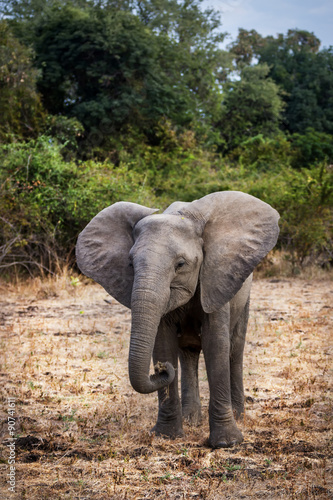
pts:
pixel 154 263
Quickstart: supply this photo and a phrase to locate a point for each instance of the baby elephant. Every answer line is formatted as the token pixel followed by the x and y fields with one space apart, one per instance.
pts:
pixel 186 275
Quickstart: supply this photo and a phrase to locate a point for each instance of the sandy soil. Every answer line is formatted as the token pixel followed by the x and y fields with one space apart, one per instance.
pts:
pixel 83 433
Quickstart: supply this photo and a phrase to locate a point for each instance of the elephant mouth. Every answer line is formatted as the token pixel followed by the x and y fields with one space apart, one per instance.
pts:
pixel 181 288
pixel 179 295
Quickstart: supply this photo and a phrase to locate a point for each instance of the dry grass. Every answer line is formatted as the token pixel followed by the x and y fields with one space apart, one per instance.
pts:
pixel 280 264
pixel 83 432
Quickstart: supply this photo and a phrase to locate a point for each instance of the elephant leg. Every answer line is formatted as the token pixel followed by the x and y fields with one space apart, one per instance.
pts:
pixel 169 420
pixel 236 362
pixel 191 405
pixel 216 347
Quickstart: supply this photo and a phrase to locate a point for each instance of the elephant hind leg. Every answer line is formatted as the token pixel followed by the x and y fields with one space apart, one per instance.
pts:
pixel 236 362
pixel 191 405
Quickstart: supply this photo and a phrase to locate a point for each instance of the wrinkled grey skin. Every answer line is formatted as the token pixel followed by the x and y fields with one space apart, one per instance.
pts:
pixel 186 275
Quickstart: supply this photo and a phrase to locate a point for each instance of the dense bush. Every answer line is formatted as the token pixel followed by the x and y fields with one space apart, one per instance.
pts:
pixel 45 201
pixel 20 105
pixel 304 200
pixel 312 147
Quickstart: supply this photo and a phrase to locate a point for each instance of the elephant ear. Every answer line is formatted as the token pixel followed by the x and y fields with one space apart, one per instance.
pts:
pixel 102 248
pixel 239 230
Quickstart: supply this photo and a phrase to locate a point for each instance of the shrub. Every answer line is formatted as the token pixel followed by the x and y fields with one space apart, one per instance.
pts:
pixel 45 201
pixel 311 148
pixel 304 199
pixel 263 154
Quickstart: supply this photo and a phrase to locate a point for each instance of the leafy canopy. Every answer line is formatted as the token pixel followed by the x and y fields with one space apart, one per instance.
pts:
pixel 20 105
pixel 304 73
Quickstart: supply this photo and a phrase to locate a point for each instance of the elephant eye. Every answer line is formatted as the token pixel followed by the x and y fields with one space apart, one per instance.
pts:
pixel 180 264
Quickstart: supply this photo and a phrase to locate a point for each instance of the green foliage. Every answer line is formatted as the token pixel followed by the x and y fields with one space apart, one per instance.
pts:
pixel 312 147
pixel 45 201
pixel 304 73
pixel 100 65
pixel 179 168
pixel 251 106
pixel 32 184
pixel 99 184
pixel 250 44
pixel 246 46
pixel 126 63
pixel 66 131
pixel 134 100
pixel 304 199
pixel 193 61
pixel 20 105
pixel 263 154
pixel 306 203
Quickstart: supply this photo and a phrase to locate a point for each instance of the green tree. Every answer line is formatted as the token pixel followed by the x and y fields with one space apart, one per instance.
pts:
pixel 101 67
pixel 20 106
pixel 246 47
pixel 193 61
pixel 122 63
pixel 310 101
pixel 303 72
pixel 252 105
pixel 311 148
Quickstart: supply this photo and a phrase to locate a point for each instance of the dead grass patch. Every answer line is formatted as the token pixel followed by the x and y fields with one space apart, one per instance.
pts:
pixel 83 433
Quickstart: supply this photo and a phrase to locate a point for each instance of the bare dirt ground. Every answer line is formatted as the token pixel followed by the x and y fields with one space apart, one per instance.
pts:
pixel 83 433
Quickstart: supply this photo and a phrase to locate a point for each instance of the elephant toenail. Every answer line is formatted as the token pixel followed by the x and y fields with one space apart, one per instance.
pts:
pixel 222 444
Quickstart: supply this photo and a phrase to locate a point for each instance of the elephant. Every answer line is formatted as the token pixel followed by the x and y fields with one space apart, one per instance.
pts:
pixel 186 276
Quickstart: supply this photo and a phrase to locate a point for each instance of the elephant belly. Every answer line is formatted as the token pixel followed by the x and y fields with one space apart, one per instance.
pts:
pixel 189 334
pixel 188 321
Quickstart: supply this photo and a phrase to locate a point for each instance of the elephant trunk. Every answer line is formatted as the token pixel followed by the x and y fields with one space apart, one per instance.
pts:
pixel 147 309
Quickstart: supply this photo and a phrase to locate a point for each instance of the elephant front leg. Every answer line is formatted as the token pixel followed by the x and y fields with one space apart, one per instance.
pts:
pixel 169 420
pixel 216 347
pixel 191 404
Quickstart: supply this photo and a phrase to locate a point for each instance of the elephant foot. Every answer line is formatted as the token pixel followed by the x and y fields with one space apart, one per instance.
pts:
pixel 167 431
pixel 225 437
pixel 169 419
